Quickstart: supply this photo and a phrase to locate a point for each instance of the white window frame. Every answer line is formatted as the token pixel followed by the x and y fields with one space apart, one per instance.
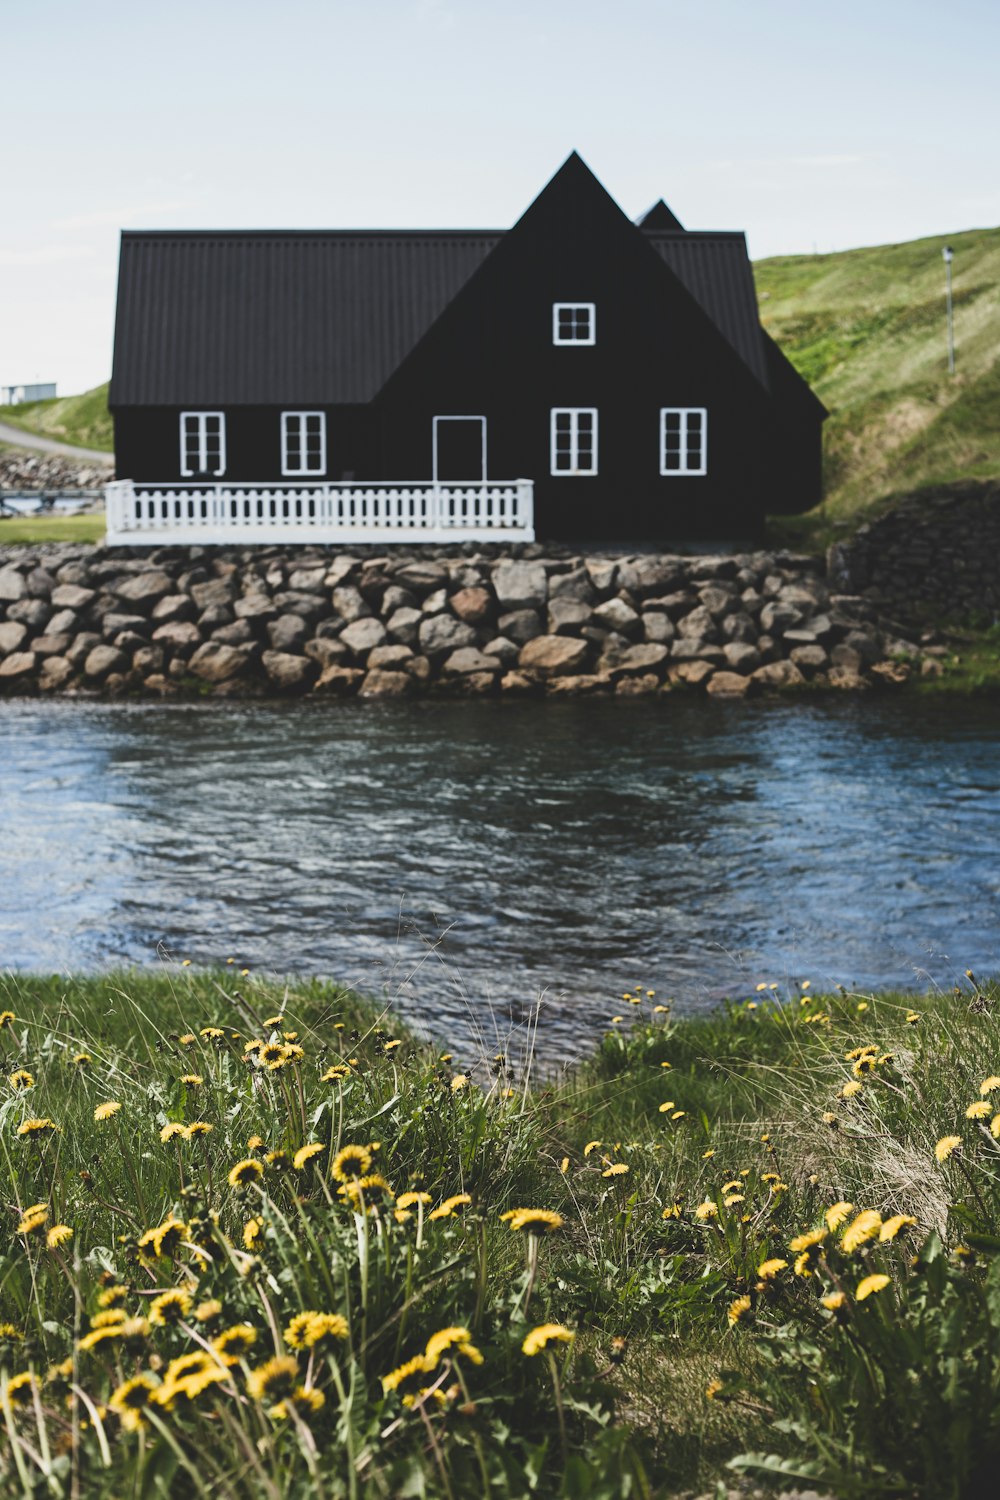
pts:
pixel 287 417
pixel 201 419
pixel 590 307
pixel 574 471
pixel 686 469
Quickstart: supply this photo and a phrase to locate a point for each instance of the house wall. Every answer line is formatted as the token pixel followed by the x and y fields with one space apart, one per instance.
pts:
pixel 148 445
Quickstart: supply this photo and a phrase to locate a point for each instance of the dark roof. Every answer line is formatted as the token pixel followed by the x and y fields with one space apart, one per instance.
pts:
pixel 659 217
pixel 267 318
pixel 715 268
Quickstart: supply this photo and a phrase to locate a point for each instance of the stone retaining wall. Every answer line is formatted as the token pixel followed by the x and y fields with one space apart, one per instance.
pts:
pixel 254 621
pixel 933 556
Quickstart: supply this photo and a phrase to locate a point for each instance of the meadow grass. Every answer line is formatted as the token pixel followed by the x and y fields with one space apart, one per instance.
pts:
pixel 82 421
pixel 259 1240
pixel 30 530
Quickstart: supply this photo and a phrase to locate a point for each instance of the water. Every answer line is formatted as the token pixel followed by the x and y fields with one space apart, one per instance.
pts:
pixel 464 858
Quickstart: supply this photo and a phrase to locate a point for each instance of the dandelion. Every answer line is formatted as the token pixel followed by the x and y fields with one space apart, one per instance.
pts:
pixel 20 1389
pixel 32 1220
pixel 871 1284
pixel 808 1242
pixel 995 1127
pixel 305 1154
pixel 82 1058
pixel 409 1200
pixel 112 1296
pixel 336 1074
pixel 534 1220
pixel 106 1111
pixel 37 1130
pixel 274 1056
pixel 546 1333
pixel 892 1226
pixel 834 1301
pixel 188 1039
pixel 946 1146
pixel 308 1329
pixel 277 1377
pixel 564 1165
pixel 98 1336
pixel 738 1309
pixel 208 1312
pixel 707 1210
pixel 860 1231
pixel 254 1143
pixel 666 1108
pixel 459 1082
pixel 246 1172
pixel 233 1343
pixel 454 1342
pixel 837 1214
pixel 447 1208
pixel 715 1385
pixel 850 1089
pixel 305 1400
pixel 271 1021
pixel 979 1110
pixel 131 1399
pixel 169 1307
pixel 768 1269
pixel 58 1235
pixel 7 1018
pixel 673 1211
pixel 990 1085
pixel 171 1130
pixel 617 1169
pixel 351 1162
pixel 108 1317
pixel 211 1033
pixel 252 1230
pixel 197 1128
pixel 192 1080
pixel 707 1155
pixel 164 1239
pixel 732 1199
pixel 912 1017
pixel 591 1146
pixel 21 1080
pixel 412 1372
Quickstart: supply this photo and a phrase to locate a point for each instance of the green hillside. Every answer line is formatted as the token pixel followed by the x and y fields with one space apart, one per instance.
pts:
pixel 82 420
pixel 867 329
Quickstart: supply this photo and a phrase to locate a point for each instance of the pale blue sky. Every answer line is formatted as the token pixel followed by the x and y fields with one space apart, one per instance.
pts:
pixel 810 126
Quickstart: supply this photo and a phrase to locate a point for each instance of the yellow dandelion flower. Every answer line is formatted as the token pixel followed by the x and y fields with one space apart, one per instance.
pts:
pixel 108 1317
pixel 254 1143
pixel 803 1263
pixel 707 1210
pixel 732 1199
pixel 738 1309
pixel 171 1130
pixel 192 1080
pixel 410 1374
pixel 82 1058
pixel 459 1082
pixel 252 1230
pixel 990 1085
pixel 20 1389
pixel 409 1200
pixel 164 1239
pixel 892 1226
pixel 673 1211
pixel 995 1126
pixel 860 1230
pixel 305 1401
pixel 591 1146
pixel 707 1155
pixel 208 1312
pixel 666 1108
pixel 20 1080
pixel 534 1220
pixel 59 1234
pixel 564 1165
pixel 871 1284
pixel 106 1111
pixel 447 1208
pixel 850 1089
pixel 979 1110
pixel 197 1128
pixel 112 1296
pixel 7 1018
pixel 679 1114
pixel 188 1039
pixel 211 1033
pixel 807 1242
pixel 768 1269
pixel 453 1342
pixel 232 1343
pixel 946 1146
pixel 276 1378
pixel 834 1301
pixel 837 1214
pixel 715 1385
pixel 912 1017
pixel 305 1154
pixel 862 1007
pixel 36 1130
pixel 169 1307
pixel 245 1172
pixel 546 1333
pixel 32 1221
pixel 351 1162
pixel 733 1185
pixel 617 1169
pixel 131 1398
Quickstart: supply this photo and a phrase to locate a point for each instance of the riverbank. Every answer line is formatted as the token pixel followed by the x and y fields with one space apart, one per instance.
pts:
pixel 245 622
pixel 265 1239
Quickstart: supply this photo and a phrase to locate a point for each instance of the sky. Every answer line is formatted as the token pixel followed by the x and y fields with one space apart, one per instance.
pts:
pixel 812 127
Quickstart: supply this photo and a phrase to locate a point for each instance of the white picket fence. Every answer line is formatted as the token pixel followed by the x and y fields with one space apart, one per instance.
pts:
pixel 143 515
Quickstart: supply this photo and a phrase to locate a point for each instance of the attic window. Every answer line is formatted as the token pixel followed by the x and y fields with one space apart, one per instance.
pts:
pixel 683 440
pixel 303 442
pixel 203 444
pixel 574 323
pixel 573 441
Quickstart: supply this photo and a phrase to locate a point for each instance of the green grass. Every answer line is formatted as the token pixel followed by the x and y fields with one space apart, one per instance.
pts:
pixel 679 1158
pixel 867 329
pixel 34 529
pixel 82 421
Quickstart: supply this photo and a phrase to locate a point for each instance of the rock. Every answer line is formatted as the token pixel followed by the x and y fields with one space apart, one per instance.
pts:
pixel 12 586
pixel 697 650
pixel 868 646
pixel 81 648
pixel 727 685
pixel 468 659
pixel 288 633
pixel 403 625
pixel 174 607
pixel 602 573
pixel 114 623
pixel 521 625
pixel 846 679
pixel 382 684
pixel 40 583
pixel 214 617
pixel 420 668
pixel 809 659
pixel 615 614
pixel 694 673
pixel 396 598
pixel 739 627
pixel 470 684
pixel 553 655
pixel 214 591
pixel 54 674
pixel 238 633
pixel 390 657
pixel 147 660
pixel 311 607
pixel 422 577
pixel 12 637
pixel 215 662
pixel 441 634
pixel 699 625
pixel 103 660
pixel 776 618
pixel 289 674
pixel 255 607
pixel 141 590
pixel 778 674
pixel 643 659
pixel 157 683
pixel 573 687
pixel 34 613
pixel 340 570
pixel 658 627
pixel 363 635
pixel 643 686
pixel 845 656
pixel 567 616
pixel 17 669
pixel 648 575
pixel 53 645
pixel 435 603
pixel 473 605
pixel 340 681
pixel 520 684
pixel 741 656
pixel 504 649
pixel 520 585
pixel 308 580
pixel 718 600
pixel 71 596
pixel 178 636
pixel 930 667
pixel 575 586
pixel 889 673
pixel 330 652
pixel 63 622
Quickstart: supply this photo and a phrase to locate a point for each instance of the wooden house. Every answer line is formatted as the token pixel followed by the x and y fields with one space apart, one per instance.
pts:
pixel 577 377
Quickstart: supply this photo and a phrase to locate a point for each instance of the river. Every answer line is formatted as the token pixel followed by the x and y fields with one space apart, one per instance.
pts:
pixel 464 859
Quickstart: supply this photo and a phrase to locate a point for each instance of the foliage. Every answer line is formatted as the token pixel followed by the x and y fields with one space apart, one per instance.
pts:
pixel 82 421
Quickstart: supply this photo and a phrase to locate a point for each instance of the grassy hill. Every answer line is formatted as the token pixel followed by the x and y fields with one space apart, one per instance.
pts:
pixel 82 420
pixel 867 329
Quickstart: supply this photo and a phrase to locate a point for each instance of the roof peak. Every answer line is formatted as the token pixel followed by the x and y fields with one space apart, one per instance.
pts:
pixel 659 217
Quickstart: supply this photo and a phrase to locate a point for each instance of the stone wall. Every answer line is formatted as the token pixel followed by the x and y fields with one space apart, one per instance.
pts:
pixel 934 556
pixel 254 621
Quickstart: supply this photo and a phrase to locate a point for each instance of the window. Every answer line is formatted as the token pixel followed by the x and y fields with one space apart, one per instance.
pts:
pixel 203 443
pixel 683 440
pixel 574 440
pixel 574 323
pixel 303 442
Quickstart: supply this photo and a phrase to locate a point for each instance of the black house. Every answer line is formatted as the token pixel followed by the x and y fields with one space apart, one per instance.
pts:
pixel 618 366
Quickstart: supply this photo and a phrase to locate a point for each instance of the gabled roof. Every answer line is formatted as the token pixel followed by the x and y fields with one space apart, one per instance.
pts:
pixel 275 318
